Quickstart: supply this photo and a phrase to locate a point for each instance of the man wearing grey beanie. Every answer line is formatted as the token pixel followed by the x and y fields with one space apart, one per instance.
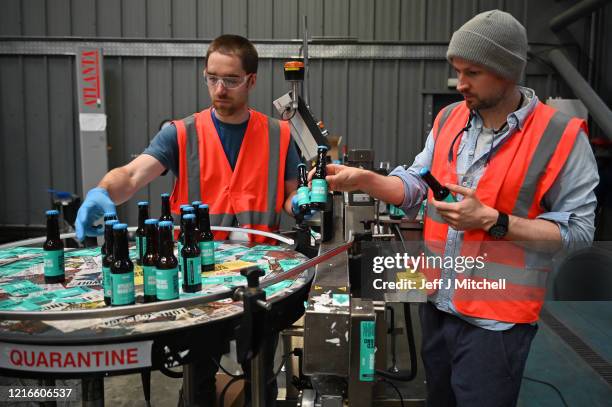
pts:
pixel 522 179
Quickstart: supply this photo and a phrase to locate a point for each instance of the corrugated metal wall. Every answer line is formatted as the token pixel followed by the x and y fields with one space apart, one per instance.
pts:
pixel 371 103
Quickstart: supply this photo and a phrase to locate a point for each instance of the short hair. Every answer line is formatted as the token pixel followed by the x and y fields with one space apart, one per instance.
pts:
pixel 230 44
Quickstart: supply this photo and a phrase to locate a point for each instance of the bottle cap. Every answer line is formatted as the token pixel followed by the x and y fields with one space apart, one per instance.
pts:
pixel 165 195
pixel 189 216
pixel 323 146
pixel 203 206
pixel 111 222
pixel 424 171
pixel 110 214
pixel 120 226
pixel 52 212
pixel 151 222
pixel 165 224
pixel 143 203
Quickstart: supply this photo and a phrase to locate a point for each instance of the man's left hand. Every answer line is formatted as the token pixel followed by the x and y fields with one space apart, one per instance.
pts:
pixel 467 214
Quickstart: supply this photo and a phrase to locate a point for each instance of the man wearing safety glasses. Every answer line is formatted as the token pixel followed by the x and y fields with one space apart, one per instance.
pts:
pixel 240 162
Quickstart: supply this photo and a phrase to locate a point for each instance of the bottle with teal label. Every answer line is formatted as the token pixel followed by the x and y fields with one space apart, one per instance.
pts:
pixel 166 272
pixel 190 257
pixel 440 192
pixel 141 239
pixel 53 251
pixel 108 216
pixel 149 261
pixel 107 259
pixel 303 192
pixel 185 209
pixel 206 240
pixel 122 268
pixel 318 193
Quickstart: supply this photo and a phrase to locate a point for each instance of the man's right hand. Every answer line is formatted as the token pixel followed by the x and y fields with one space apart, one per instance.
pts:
pixel 97 202
pixel 342 178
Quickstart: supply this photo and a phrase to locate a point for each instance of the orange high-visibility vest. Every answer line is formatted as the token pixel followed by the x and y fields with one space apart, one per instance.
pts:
pixel 253 193
pixel 515 181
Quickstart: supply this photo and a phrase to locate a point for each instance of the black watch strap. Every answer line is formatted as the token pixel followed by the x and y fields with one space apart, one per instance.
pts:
pixel 500 228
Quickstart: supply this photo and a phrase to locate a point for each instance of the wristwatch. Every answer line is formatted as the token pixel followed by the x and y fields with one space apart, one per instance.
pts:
pixel 500 228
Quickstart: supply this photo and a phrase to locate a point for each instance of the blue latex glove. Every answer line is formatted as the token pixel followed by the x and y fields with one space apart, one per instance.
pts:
pixel 97 202
pixel 295 208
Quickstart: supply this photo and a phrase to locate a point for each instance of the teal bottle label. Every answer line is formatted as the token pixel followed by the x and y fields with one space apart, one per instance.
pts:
pixel 450 198
pixel 167 283
pixel 106 281
pixel 141 246
pixel 366 352
pixel 207 252
pixel 54 263
pixel 319 191
pixel 193 272
pixel 149 280
pixel 122 288
pixel 303 194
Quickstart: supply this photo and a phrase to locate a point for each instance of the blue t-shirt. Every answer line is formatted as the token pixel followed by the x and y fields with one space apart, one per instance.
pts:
pixel 164 147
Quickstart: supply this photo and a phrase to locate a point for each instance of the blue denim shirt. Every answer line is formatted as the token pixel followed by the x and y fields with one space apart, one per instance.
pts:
pixel 570 202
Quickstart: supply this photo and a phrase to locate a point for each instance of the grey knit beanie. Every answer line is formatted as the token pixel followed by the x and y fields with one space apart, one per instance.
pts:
pixel 494 39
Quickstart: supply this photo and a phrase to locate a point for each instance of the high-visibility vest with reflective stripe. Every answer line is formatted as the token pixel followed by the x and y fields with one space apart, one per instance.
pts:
pixel 253 193
pixel 515 181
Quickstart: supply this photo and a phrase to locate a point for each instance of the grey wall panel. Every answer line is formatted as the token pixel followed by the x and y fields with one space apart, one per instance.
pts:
pixel 313 10
pixel 283 25
pixel 362 15
pixel 10 18
pixel 360 104
pixel 14 147
pixel 387 20
pixel 115 108
pixel 209 18
pixel 335 18
pixel 384 110
pixel 159 78
pixel 234 14
pixel 159 19
pixel 109 18
pixel 36 136
pixel 134 18
pixel 335 92
pixel 410 135
pixel 413 18
pixel 58 18
pixel 35 19
pixel 184 84
pixel 260 16
pixel 262 96
pixel 438 20
pixel 317 104
pixel 184 23
pixel 135 137
pixel 61 119
pixel 83 15
pixel 202 88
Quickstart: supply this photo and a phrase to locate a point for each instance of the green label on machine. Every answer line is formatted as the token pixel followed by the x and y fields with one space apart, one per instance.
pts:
pixel 167 283
pixel 303 194
pixel 54 263
pixel 366 352
pixel 122 288
pixel 192 269
pixel 149 280
pixel 207 252
pixel 450 198
pixel 106 281
pixel 319 191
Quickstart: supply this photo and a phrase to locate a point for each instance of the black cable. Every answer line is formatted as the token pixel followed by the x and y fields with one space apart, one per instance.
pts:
pixel 227 386
pixel 403 375
pixel 399 394
pixel 283 361
pixel 224 370
pixel 549 385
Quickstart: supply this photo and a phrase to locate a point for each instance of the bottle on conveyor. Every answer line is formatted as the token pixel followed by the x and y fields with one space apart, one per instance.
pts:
pixel 206 240
pixel 141 242
pixel 122 268
pixel 53 251
pixel 318 194
pixel 190 257
pixel 149 260
pixel 166 271
pixel 107 259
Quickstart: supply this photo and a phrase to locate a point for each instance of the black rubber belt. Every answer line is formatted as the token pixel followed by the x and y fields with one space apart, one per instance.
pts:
pixel 590 357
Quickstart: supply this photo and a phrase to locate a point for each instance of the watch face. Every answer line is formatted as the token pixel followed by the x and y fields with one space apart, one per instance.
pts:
pixel 498 231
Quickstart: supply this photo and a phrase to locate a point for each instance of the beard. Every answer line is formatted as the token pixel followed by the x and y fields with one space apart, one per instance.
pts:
pixel 225 109
pixel 489 102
